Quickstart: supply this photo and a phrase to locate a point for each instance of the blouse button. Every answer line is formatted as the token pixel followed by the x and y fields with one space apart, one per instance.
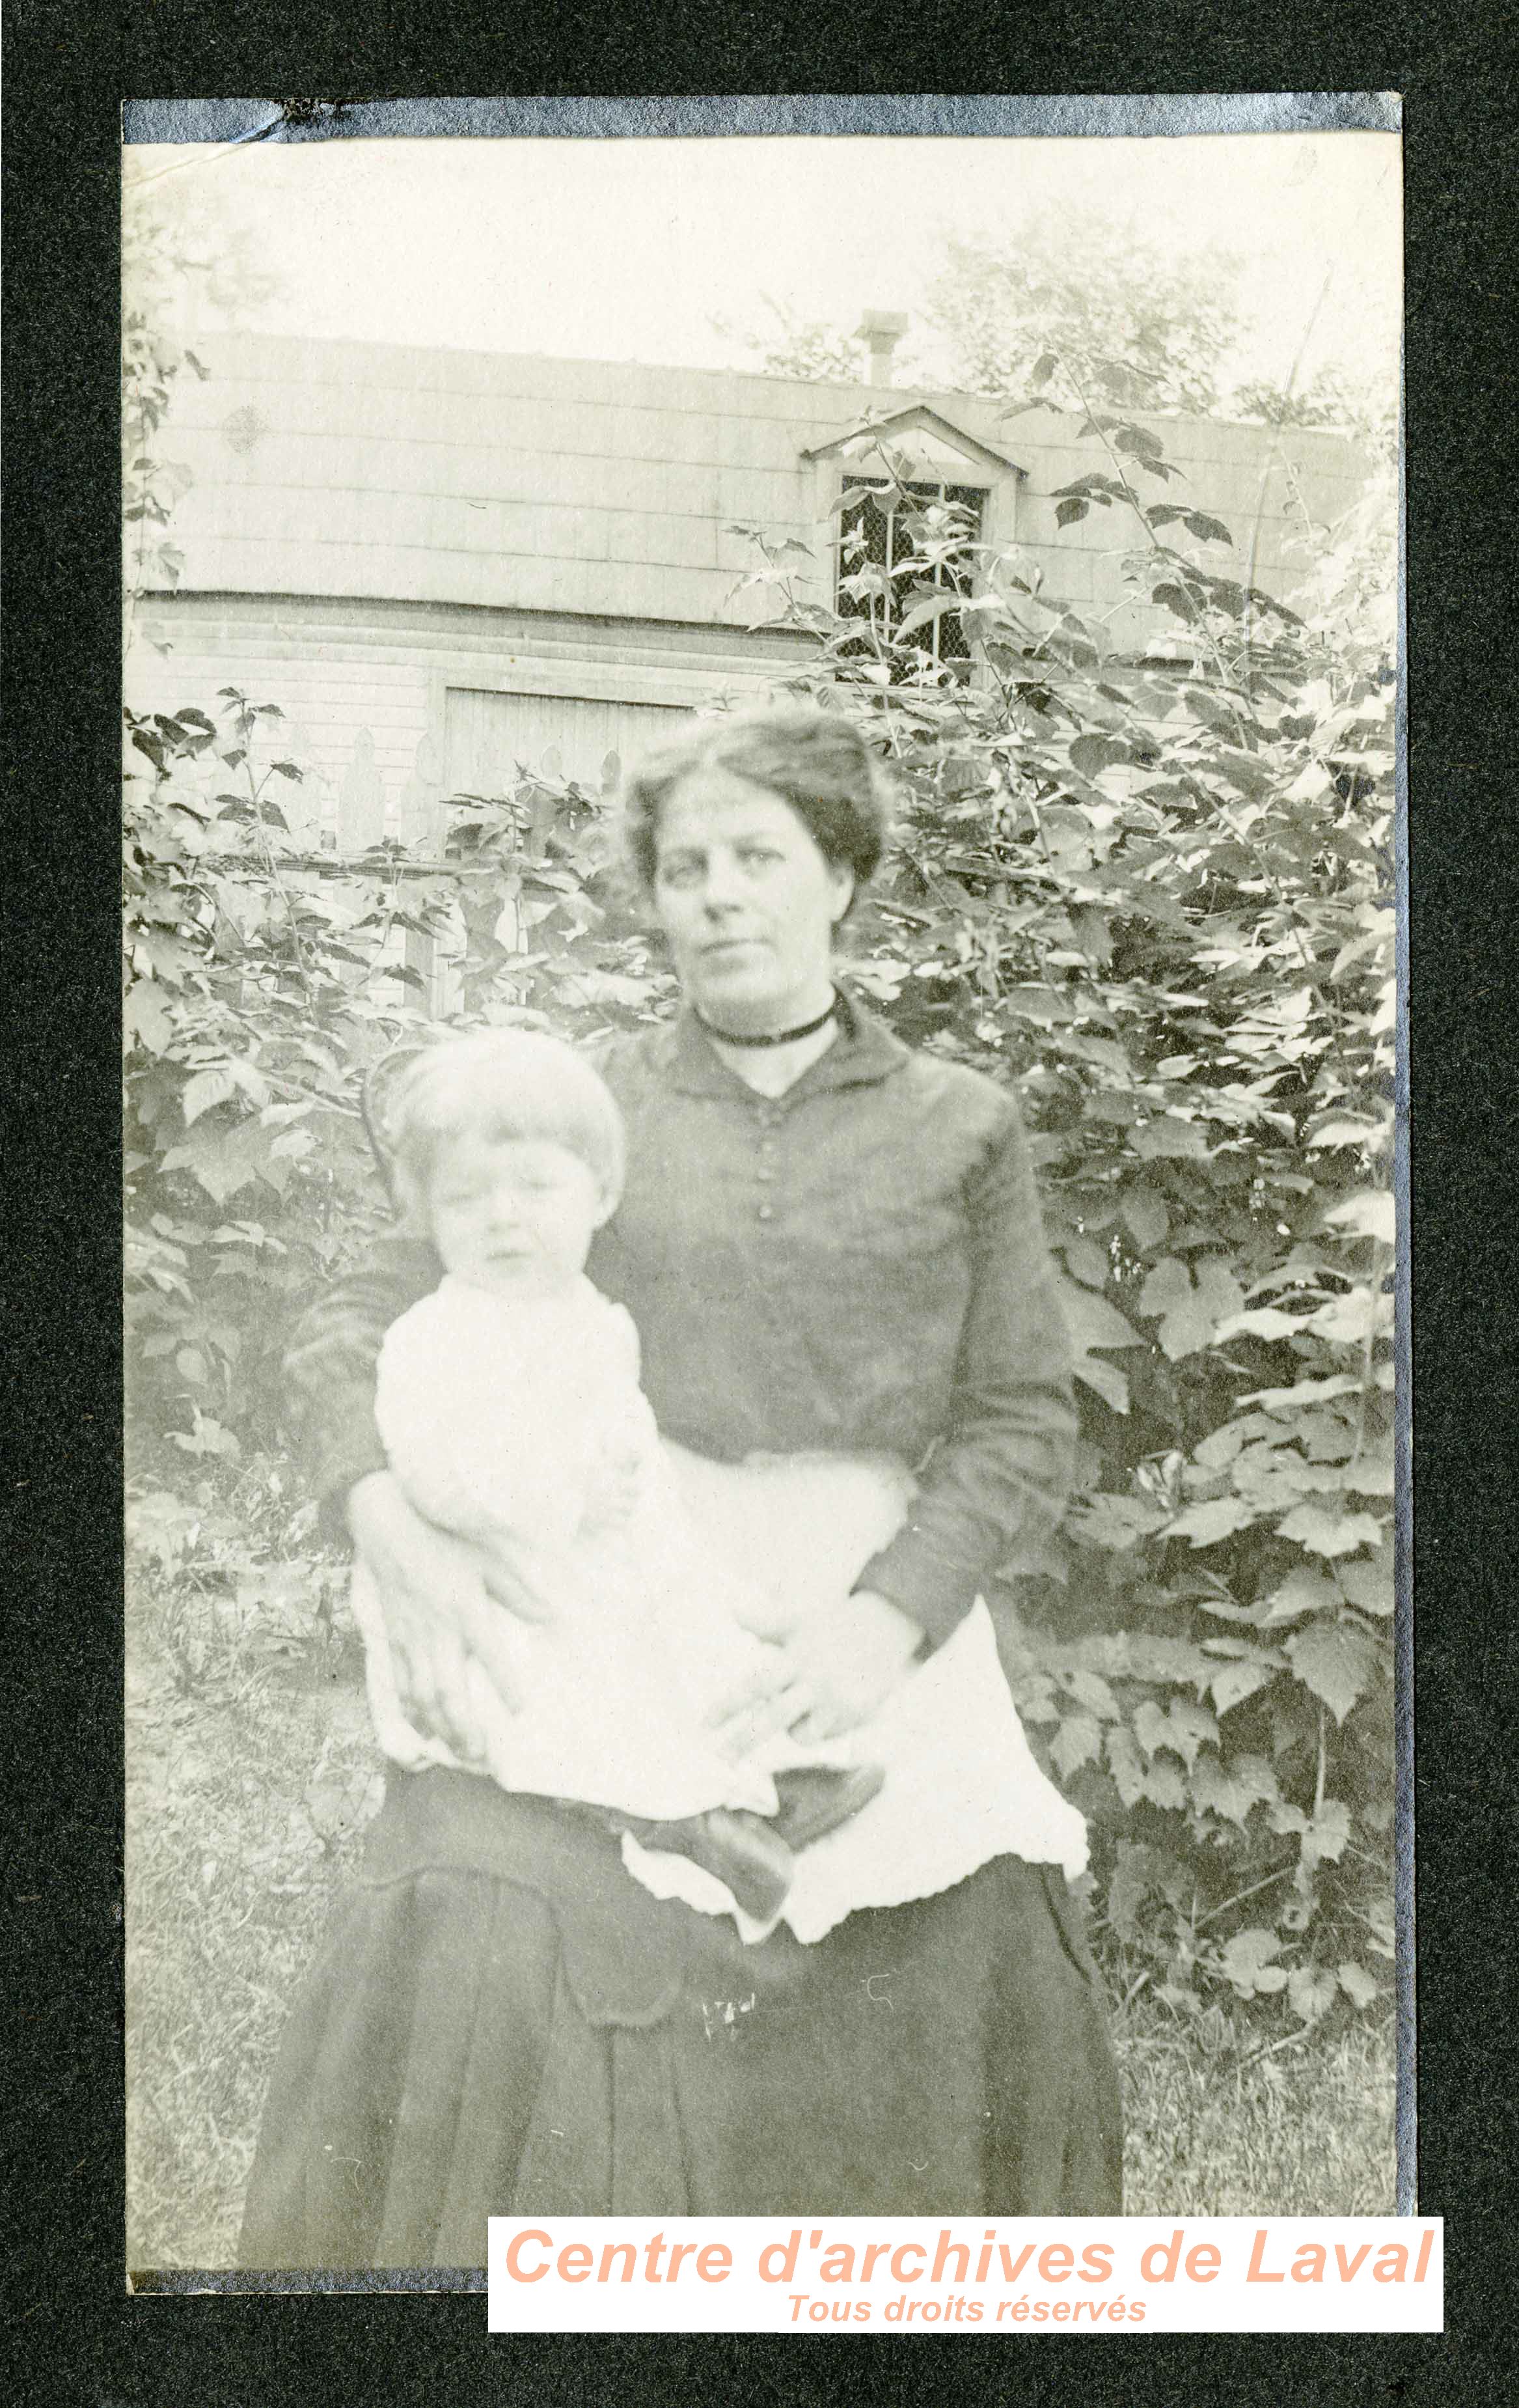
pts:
pixel 764 1175
pixel 766 1212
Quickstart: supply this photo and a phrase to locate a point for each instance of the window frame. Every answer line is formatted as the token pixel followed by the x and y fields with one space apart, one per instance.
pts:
pixel 931 452
pixel 927 637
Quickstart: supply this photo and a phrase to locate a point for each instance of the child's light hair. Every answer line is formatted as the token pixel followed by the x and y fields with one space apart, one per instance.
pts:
pixel 502 1084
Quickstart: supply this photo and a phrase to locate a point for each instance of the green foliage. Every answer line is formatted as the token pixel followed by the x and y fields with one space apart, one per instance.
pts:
pixel 228 1582
pixel 1141 328
pixel 262 979
pixel 176 244
pixel 1332 396
pixel 806 350
pixel 1158 898
pixel 1135 327
pixel 151 361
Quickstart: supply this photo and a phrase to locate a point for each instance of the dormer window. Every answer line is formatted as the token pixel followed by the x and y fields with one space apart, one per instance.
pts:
pixel 909 507
pixel 914 543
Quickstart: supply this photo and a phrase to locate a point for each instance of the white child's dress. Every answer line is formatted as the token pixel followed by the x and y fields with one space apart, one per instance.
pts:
pixel 504 1421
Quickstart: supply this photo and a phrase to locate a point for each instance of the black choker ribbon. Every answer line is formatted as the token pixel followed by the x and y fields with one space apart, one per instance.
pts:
pixel 782 1037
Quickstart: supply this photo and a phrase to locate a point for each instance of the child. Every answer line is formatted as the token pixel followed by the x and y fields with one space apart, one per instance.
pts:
pixel 509 1406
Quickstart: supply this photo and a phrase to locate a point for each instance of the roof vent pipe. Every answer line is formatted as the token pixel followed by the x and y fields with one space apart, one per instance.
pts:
pixel 881 330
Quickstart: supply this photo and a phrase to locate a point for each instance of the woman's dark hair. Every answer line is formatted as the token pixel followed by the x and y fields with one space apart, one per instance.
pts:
pixel 812 759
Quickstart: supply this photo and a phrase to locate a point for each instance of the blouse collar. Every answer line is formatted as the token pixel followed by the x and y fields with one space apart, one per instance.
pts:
pixel 864 1051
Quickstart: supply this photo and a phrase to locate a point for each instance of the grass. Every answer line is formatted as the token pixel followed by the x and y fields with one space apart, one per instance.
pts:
pixel 1217 2126
pixel 249 1778
pixel 245 1800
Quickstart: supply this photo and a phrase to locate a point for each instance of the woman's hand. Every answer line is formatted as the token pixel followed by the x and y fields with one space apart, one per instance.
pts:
pixel 764 1697
pixel 433 1593
pixel 845 1662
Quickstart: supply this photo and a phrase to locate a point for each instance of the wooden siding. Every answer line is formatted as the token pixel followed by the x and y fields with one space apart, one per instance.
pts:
pixel 488 738
pixel 371 698
pixel 378 472
pixel 372 529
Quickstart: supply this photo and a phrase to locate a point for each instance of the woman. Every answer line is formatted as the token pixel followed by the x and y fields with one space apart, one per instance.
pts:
pixel 831 1247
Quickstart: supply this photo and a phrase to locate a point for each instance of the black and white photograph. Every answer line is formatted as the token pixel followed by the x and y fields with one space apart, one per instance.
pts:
pixel 762 1044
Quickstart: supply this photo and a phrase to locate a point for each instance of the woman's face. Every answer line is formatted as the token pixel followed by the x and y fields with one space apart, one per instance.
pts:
pixel 747 901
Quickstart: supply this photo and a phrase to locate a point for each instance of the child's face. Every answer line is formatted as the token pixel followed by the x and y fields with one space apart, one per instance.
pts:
pixel 514 1216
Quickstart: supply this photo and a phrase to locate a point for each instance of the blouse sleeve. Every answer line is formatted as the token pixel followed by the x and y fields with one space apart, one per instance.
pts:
pixel 1000 1474
pixel 330 1371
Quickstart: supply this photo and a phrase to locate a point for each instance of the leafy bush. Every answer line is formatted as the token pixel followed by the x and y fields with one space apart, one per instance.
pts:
pixel 263 980
pixel 229 1580
pixel 1156 896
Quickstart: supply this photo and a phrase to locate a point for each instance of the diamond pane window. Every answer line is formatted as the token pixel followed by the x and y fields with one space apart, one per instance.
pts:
pixel 884 572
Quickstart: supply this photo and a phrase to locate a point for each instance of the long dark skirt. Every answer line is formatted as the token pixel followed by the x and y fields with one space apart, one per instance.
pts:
pixel 503 2022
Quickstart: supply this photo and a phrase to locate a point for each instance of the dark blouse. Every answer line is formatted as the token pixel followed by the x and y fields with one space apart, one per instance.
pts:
pixel 855 1265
